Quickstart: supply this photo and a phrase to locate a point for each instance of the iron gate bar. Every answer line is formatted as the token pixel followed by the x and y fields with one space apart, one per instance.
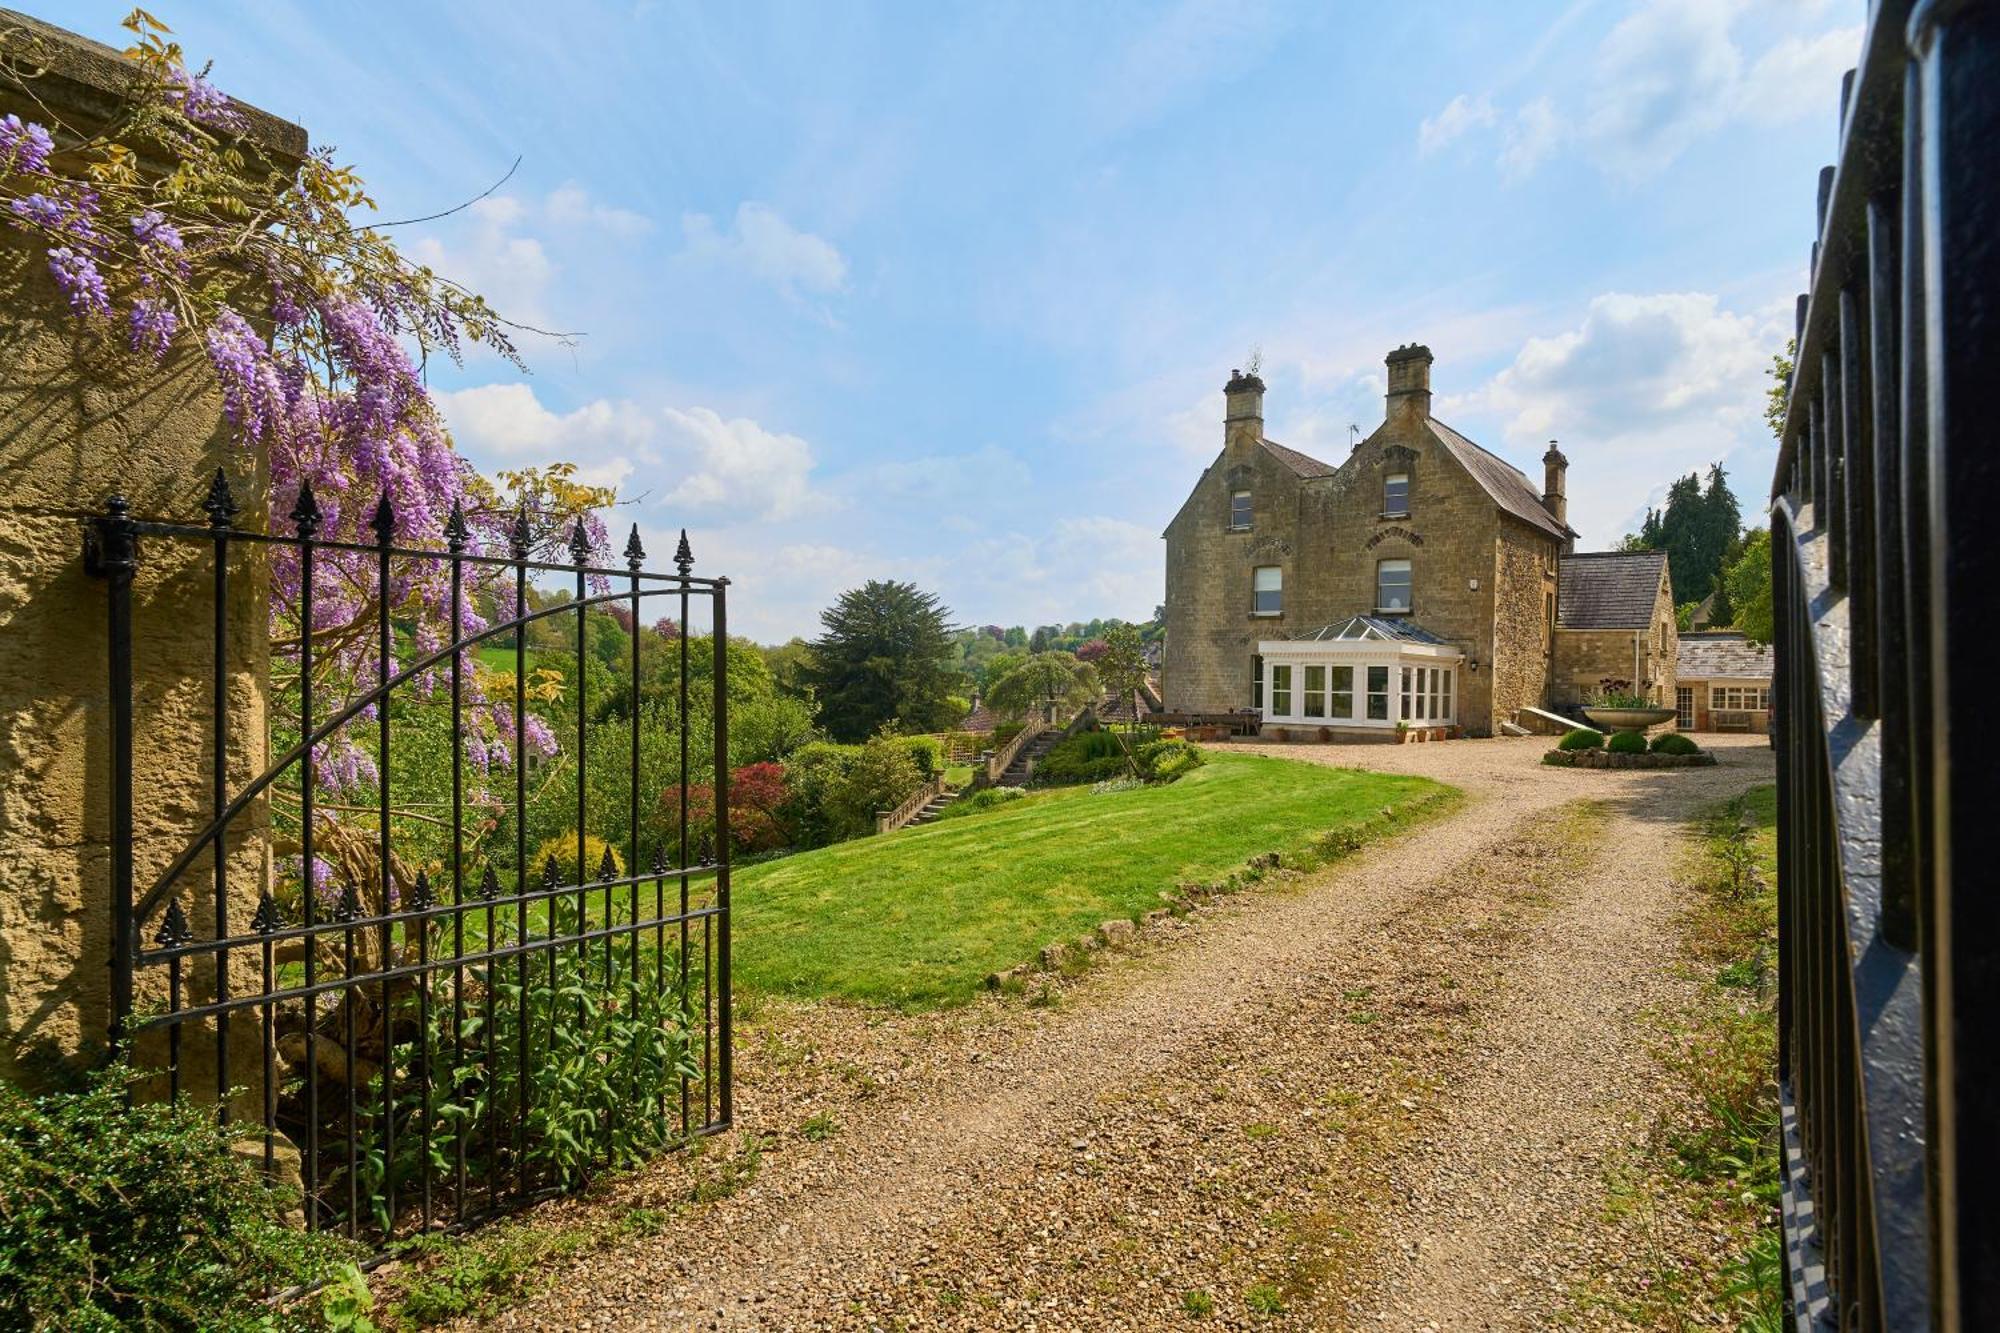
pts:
pixel 112 546
pixel 1883 585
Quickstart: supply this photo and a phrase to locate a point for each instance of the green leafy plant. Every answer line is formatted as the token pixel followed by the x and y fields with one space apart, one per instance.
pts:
pixel 986 798
pixel 1582 738
pixel 1626 742
pixel 1673 742
pixel 1264 1298
pixel 1198 1303
pixel 121 1215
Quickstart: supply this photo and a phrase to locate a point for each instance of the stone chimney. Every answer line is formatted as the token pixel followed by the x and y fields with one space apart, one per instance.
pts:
pixel 1409 381
pixel 1243 415
pixel 1555 474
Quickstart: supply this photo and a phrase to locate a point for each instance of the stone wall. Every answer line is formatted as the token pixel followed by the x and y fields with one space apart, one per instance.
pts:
pixel 1473 570
pixel 1523 619
pixel 78 423
pixel 1585 657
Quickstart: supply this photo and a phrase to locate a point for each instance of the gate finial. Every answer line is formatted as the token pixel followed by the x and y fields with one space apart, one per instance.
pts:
pixel 221 502
pixel 635 551
pixel 305 510
pixel 384 521
pixel 454 528
pixel 579 543
pixel 684 554
pixel 519 538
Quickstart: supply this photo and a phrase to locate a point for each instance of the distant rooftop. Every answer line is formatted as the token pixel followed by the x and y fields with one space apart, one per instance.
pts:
pixel 1724 654
pixel 1608 589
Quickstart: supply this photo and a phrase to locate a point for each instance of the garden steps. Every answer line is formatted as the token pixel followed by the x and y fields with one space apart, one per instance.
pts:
pixel 935 807
pixel 1031 753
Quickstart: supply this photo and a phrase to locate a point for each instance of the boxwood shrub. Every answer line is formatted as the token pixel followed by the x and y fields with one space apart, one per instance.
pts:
pixel 117 1215
pixel 1672 742
pixel 1583 738
pixel 1626 742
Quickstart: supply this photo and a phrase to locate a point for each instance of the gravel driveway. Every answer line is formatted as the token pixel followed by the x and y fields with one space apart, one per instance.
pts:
pixel 1382 1096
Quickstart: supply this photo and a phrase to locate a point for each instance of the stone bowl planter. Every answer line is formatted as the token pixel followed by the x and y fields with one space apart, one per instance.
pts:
pixel 1628 719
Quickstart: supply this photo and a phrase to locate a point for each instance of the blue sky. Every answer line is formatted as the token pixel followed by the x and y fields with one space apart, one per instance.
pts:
pixel 949 292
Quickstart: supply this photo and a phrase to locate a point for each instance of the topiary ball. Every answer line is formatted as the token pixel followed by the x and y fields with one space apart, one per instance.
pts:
pixel 1672 742
pixel 1583 738
pixel 1626 742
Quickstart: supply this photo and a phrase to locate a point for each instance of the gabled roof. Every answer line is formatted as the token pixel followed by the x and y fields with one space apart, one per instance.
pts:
pixel 1392 628
pixel 1608 589
pixel 1508 486
pixel 1303 464
pixel 1723 654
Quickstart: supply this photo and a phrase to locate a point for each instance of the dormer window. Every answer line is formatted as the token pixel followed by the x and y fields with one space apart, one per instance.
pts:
pixel 1239 511
pixel 1392 585
pixel 1396 494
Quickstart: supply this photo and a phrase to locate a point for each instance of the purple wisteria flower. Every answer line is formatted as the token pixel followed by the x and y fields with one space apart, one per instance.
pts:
pixel 155 233
pixel 253 393
pixel 538 735
pixel 41 210
pixel 153 326
pixel 80 281
pixel 204 103
pixel 24 146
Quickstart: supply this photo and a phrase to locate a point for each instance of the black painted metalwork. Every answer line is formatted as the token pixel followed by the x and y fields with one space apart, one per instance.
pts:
pixel 1884 577
pixel 405 1020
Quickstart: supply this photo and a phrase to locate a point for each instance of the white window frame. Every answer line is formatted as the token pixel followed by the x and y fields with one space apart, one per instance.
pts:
pixel 1277 590
pixel 1390 510
pixel 1245 497
pixel 1420 683
pixel 1410 587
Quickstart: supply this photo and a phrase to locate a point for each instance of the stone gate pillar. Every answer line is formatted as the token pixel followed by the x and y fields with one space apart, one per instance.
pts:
pixel 81 420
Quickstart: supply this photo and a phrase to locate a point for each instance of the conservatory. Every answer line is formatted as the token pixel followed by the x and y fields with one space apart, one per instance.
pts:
pixel 1363 675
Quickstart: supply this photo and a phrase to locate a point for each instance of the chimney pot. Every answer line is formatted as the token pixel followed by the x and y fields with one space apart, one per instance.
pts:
pixel 1243 397
pixel 1409 380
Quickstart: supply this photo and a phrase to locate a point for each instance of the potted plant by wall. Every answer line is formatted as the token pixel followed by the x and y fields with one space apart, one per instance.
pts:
pixel 1615 706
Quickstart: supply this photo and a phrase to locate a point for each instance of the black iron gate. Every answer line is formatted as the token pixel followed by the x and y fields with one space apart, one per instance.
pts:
pixel 431 1017
pixel 1884 577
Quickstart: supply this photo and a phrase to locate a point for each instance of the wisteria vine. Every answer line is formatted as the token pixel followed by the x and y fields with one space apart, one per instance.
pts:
pixel 316 330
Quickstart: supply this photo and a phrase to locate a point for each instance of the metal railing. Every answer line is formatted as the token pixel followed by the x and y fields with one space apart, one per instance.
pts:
pixel 428 1034
pixel 1884 577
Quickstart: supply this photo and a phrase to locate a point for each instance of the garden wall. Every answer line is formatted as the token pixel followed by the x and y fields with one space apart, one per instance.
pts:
pixel 79 422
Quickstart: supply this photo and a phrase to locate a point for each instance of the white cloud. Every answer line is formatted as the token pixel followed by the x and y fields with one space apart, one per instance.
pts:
pixel 499 247
pixel 1531 136
pixel 770 249
pixel 487 254
pixel 940 479
pixel 1800 77
pixel 570 205
pixel 690 458
pixel 1668 74
pixel 1462 113
pixel 735 464
pixel 1645 388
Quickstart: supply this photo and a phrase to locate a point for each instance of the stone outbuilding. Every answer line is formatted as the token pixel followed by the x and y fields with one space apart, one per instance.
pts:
pixel 1614 622
pixel 1723 682
pixel 1415 586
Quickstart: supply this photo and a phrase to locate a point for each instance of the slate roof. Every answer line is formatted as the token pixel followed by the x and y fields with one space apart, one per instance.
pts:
pixel 1608 589
pixel 1720 654
pixel 1507 484
pixel 1303 464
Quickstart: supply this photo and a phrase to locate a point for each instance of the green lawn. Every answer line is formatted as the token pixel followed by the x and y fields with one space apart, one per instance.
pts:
pixel 918 918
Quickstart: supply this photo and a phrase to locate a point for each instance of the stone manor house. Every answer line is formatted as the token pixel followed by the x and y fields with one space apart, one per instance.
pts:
pixel 1424 584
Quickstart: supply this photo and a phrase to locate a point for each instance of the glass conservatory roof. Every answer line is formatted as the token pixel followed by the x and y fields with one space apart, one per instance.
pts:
pixel 1389 629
